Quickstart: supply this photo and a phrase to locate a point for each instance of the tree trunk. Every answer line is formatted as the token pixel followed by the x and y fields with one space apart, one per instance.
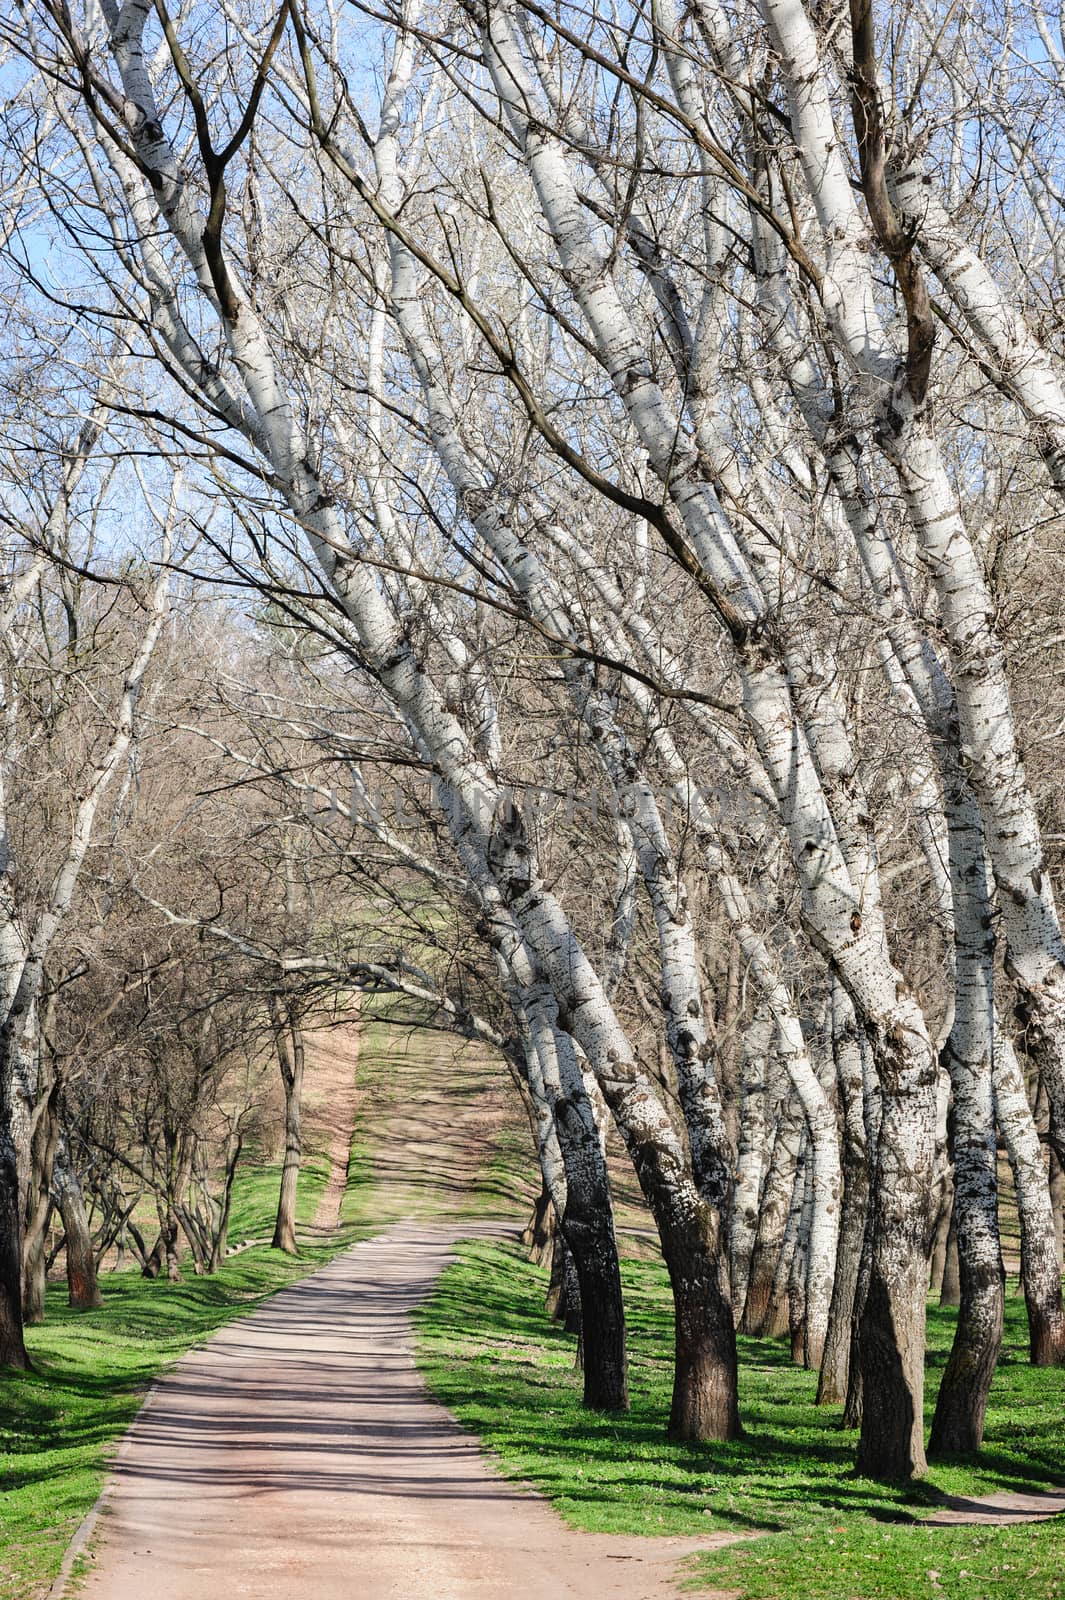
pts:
pixel 288 1043
pixel 12 1344
pixel 937 1272
pixel 563 1299
pixel 778 1321
pixel 950 1289
pixel 958 1425
pixel 799 1307
pixel 1039 1263
pixel 751 1157
pixel 776 1204
pixel 34 1265
pixel 892 1327
pixel 586 1276
pixel 1057 1205
pixel 588 1227
pixel 165 1252
pixel 539 1231
pixel 39 1206
pixel 704 1402
pixel 852 1410
pixel 83 1289
pixel 835 1361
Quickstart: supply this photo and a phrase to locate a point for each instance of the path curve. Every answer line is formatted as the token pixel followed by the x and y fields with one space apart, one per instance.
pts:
pixel 297 1456
pixel 995 1510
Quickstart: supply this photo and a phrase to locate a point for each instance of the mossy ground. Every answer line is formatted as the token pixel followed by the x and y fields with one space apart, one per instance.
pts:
pixel 490 1355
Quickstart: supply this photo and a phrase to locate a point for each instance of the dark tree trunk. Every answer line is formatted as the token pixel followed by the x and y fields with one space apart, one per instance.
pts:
pixel 705 1404
pixel 1057 1202
pixel 12 1345
pixel 958 1424
pixel 602 1333
pixel 588 1229
pixel 539 1231
pixel 950 1289
pixel 772 1225
pixel 961 1405
pixel 797 1274
pixel 563 1302
pixel 941 1237
pixel 35 1264
pixel 797 1309
pixel 1046 1328
pixel 778 1318
pixel 43 1146
pixel 153 1262
pixel 164 1253
pixel 891 1335
pixel 835 1362
pixel 852 1411
pixel 83 1290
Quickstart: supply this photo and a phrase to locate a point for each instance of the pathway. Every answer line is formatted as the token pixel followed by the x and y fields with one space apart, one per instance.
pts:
pixel 336 1063
pixel 296 1456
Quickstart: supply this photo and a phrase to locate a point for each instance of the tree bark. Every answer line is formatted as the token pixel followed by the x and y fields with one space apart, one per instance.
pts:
pixel 39 1204
pixel 288 1043
pixel 539 1231
pixel 937 1272
pixel 34 1265
pixel 776 1206
pixel 835 1361
pixel 958 1425
pixel 83 1291
pixel 892 1325
pixel 585 1272
pixel 751 1157
pixel 1057 1205
pixel 704 1402
pixel 12 1344
pixel 1039 1263
pixel 855 1403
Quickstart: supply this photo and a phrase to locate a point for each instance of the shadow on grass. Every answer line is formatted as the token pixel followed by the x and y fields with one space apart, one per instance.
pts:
pixel 489 1353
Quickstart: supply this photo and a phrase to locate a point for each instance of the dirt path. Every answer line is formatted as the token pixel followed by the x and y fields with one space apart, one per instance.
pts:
pixel 995 1510
pixel 336 1066
pixel 296 1456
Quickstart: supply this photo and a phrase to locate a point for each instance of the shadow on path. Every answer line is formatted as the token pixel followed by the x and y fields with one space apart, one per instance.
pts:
pixel 297 1454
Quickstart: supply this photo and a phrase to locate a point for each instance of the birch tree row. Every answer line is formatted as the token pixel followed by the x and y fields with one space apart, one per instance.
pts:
pixel 652 425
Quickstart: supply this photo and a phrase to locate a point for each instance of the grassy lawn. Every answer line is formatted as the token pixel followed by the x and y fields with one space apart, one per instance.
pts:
pixel 255 1190
pixel 489 1354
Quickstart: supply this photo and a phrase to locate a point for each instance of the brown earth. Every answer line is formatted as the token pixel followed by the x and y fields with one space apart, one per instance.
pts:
pixel 333 1057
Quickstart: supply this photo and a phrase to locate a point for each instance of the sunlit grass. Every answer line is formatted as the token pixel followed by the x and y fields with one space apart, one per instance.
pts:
pixel 491 1356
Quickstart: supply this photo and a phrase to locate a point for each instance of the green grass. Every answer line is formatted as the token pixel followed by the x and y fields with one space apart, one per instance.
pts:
pixel 255 1189
pixel 488 1352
